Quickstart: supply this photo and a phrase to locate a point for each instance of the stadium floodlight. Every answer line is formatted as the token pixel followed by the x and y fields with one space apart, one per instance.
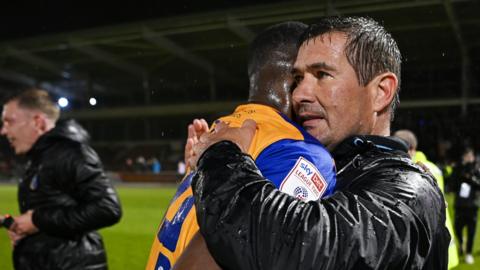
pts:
pixel 92 101
pixel 62 102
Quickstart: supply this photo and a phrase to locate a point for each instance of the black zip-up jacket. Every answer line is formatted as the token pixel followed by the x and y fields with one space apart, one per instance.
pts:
pixel 468 174
pixel 386 213
pixel 65 185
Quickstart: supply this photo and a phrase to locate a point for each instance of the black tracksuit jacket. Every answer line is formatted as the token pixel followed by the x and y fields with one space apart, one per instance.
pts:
pixel 386 213
pixel 64 183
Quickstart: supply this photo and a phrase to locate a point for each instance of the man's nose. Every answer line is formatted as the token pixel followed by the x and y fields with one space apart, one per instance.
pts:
pixel 304 90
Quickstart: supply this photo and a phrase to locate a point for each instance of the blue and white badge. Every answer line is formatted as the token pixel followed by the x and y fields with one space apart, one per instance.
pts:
pixel 300 193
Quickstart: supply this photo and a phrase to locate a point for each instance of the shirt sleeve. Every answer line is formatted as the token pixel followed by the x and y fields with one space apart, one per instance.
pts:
pixel 303 170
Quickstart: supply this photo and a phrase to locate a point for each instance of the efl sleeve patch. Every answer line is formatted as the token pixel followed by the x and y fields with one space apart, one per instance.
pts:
pixel 304 181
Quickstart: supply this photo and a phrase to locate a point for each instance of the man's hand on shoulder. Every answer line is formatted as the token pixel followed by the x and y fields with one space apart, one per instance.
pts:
pixel 241 136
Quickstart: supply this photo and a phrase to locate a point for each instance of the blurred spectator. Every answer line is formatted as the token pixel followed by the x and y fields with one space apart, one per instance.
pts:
pixel 64 194
pixel 447 171
pixel 419 157
pixel 181 168
pixel 129 164
pixel 140 164
pixel 467 200
pixel 155 165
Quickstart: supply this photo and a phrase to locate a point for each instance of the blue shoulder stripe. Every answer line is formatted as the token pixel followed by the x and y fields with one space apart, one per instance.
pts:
pixel 278 159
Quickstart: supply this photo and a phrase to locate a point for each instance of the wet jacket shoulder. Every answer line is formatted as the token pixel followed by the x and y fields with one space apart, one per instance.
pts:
pixel 85 200
pixel 387 213
pixel 71 196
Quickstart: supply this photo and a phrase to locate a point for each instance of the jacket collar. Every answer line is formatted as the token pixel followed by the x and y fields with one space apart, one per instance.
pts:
pixel 358 144
pixel 63 130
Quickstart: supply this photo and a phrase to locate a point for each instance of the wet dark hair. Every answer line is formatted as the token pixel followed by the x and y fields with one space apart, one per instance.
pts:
pixel 37 99
pixel 369 48
pixel 277 42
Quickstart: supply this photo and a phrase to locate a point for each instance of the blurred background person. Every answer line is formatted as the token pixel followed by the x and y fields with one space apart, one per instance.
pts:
pixel 64 195
pixel 418 156
pixel 155 165
pixel 140 164
pixel 181 167
pixel 129 165
pixel 466 177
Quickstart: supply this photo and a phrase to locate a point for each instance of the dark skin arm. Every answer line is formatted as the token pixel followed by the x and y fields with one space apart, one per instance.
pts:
pixel 196 256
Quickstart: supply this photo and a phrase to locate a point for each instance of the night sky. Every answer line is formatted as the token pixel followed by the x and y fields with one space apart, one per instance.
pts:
pixel 44 17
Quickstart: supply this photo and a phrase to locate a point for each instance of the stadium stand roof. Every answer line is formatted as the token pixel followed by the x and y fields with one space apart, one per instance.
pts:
pixel 149 60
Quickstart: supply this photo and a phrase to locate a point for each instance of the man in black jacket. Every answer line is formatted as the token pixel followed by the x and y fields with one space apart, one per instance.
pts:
pixel 64 195
pixel 387 212
pixel 466 177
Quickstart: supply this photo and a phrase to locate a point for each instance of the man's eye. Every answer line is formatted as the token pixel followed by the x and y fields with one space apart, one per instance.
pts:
pixel 322 74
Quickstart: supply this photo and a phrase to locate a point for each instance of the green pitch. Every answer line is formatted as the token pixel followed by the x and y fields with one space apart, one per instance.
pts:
pixel 128 243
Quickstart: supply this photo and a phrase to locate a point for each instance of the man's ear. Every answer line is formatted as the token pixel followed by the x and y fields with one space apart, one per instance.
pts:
pixel 384 87
pixel 40 122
